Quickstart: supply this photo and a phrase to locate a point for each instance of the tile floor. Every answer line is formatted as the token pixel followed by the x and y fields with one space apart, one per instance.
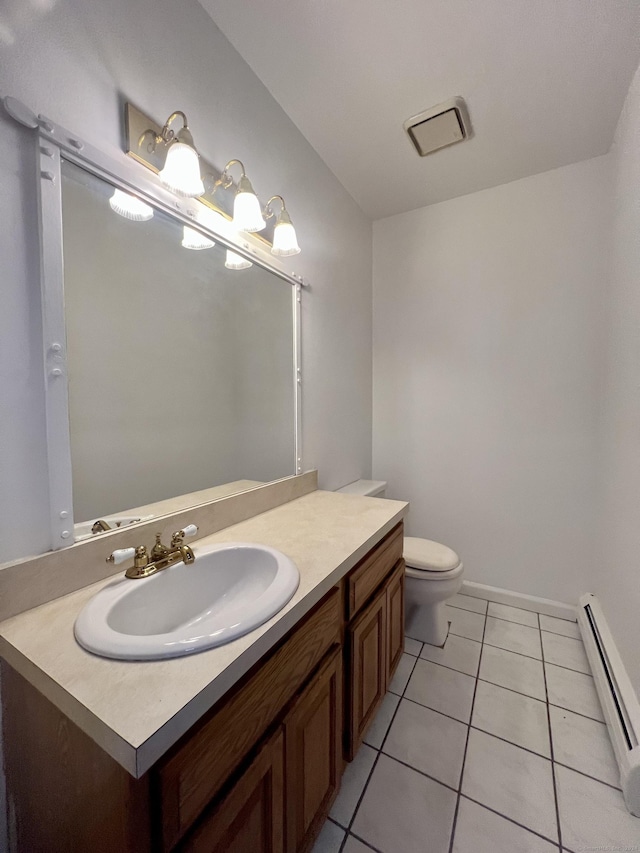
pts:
pixel 493 744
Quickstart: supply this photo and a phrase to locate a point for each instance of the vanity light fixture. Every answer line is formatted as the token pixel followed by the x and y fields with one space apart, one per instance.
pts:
pixel 192 239
pixel 236 262
pixel 284 234
pixel 130 206
pixel 181 171
pixel 247 215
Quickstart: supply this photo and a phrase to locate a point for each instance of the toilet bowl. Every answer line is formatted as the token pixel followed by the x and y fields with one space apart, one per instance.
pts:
pixel 433 574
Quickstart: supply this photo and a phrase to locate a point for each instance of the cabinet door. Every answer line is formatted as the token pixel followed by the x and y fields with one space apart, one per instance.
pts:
pixel 367 680
pixel 395 618
pixel 313 754
pixel 250 818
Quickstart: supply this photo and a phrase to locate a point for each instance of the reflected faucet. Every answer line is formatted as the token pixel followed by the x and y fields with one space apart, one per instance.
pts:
pixel 101 526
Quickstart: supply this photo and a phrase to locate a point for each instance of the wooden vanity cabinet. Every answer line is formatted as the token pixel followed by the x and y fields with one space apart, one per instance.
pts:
pixel 257 774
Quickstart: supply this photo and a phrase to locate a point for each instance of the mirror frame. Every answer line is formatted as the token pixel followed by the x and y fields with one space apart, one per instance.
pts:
pixel 54 144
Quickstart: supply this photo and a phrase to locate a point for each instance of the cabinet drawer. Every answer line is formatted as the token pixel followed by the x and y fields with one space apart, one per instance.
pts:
pixel 369 574
pixel 189 779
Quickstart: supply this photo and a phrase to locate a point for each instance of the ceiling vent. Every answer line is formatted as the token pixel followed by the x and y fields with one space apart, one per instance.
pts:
pixel 439 127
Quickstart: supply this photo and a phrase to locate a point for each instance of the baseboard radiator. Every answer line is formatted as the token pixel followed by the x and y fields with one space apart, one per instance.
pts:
pixel 619 701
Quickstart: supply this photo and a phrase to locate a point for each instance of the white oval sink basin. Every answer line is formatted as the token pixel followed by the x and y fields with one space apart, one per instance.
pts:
pixel 231 589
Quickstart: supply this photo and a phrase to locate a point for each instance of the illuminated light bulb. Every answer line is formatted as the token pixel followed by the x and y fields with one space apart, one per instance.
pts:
pixel 130 206
pixel 247 215
pixel 285 241
pixel 181 172
pixel 236 262
pixel 192 239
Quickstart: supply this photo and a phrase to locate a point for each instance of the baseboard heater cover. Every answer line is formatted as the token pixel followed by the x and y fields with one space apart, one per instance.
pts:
pixel 619 701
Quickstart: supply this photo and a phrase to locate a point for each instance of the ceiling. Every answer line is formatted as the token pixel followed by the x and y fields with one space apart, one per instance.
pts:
pixel 544 81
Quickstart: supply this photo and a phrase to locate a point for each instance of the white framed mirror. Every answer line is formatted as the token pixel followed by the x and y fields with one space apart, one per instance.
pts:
pixel 171 379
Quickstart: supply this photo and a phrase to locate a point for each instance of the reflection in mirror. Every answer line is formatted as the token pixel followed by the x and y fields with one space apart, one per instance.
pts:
pixel 181 371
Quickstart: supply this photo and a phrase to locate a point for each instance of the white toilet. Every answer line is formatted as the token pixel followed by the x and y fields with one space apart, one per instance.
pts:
pixel 433 574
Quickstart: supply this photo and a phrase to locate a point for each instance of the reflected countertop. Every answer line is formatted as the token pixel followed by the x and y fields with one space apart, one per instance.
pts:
pixel 137 710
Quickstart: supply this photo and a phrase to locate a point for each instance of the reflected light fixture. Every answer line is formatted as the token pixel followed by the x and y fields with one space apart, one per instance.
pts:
pixel 192 239
pixel 247 215
pixel 130 206
pixel 181 170
pixel 285 241
pixel 236 262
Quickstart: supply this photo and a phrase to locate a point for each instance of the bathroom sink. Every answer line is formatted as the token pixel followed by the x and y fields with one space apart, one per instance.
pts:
pixel 228 591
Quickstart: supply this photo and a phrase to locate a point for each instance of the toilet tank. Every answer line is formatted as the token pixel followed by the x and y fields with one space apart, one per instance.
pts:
pixel 368 488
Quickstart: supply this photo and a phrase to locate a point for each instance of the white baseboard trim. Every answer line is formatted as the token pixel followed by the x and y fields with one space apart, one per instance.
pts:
pixel 519 599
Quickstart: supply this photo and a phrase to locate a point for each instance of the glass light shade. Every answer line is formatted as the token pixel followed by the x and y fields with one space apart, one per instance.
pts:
pixel 247 214
pixel 284 239
pixel 181 172
pixel 130 206
pixel 236 262
pixel 192 239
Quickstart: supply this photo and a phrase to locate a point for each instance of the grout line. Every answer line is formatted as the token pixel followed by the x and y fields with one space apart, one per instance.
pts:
pixel 420 772
pixel 577 713
pixel 513 621
pixel 553 769
pixel 511 743
pixel 522 654
pixel 466 744
pixel 510 819
pixel 588 775
pixel 435 710
pixel 467 610
pixel 513 690
pixel 362 841
pixel 445 666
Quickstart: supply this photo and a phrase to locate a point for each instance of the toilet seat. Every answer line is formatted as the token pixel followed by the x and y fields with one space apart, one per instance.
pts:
pixel 430 560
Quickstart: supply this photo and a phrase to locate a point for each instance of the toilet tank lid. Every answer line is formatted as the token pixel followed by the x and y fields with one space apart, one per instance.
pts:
pixel 428 555
pixel 370 488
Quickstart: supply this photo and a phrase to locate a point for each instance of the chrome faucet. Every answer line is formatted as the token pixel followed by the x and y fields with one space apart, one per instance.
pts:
pixel 161 556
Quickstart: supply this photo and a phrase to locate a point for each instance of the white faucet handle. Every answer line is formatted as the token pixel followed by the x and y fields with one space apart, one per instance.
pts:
pixel 190 530
pixel 121 554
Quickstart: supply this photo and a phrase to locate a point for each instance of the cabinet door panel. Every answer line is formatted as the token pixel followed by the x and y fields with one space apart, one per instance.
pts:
pixel 313 749
pixel 368 642
pixel 250 818
pixel 395 618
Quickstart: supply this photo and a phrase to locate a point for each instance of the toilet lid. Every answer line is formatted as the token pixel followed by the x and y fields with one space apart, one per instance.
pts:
pixel 429 556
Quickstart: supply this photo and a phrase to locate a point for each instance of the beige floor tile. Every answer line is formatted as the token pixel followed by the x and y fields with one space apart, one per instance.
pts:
pixel 428 741
pixel 380 726
pixel 402 808
pixel 458 653
pixel 467 602
pixel 583 745
pixel 512 716
pixel 513 637
pixel 573 690
pixel 512 781
pixel 353 781
pixel 560 626
pixel 480 831
pixel 565 651
pixel 464 623
pixel 513 614
pixel 442 689
pixel 592 815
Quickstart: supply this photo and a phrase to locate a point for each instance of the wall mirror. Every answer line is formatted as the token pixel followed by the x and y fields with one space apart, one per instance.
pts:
pixel 171 345
pixel 180 370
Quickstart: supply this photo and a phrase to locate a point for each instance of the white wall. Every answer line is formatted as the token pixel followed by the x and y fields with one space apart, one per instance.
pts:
pixel 487 369
pixel 78 63
pixel 617 581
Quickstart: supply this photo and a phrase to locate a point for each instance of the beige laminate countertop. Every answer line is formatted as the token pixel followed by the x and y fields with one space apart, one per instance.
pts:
pixel 136 710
